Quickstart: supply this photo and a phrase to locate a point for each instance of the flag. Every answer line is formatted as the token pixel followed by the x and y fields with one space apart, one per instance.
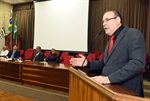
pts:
pixel 2 35
pixel 15 35
pixel 10 22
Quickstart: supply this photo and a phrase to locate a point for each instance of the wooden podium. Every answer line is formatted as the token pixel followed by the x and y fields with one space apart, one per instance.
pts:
pixel 82 88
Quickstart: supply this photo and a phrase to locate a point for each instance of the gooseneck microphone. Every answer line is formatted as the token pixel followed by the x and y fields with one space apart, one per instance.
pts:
pixel 99 33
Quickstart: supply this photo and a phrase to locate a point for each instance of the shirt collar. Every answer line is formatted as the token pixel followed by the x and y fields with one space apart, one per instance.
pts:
pixel 116 33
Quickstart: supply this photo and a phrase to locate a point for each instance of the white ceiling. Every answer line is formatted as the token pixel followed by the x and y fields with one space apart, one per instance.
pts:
pixel 16 1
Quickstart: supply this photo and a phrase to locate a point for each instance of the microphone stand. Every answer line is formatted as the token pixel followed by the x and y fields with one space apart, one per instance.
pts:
pixel 93 43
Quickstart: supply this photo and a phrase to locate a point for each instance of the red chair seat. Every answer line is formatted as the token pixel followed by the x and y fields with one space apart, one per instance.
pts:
pixel 67 59
pixel 28 54
pixel 63 56
pixel 46 54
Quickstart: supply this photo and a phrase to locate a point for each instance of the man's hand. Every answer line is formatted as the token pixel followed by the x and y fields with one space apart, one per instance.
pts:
pixel 101 79
pixel 78 61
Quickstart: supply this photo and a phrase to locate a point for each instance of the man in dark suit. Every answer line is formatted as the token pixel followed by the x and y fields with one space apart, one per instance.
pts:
pixel 124 55
pixel 14 53
pixel 53 57
pixel 38 55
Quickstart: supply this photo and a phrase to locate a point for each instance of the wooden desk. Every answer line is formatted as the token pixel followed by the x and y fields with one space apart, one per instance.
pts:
pixel 56 76
pixel 10 70
pixel 49 75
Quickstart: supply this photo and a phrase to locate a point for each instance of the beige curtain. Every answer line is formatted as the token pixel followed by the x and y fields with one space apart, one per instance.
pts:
pixel 135 14
pixel 25 14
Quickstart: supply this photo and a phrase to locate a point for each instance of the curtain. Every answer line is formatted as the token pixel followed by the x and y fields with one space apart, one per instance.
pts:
pixel 25 14
pixel 135 14
pixel 147 28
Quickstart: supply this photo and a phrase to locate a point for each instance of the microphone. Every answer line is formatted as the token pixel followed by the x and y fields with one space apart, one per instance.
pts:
pixel 99 33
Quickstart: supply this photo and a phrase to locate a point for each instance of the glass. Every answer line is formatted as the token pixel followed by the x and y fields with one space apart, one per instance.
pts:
pixel 108 19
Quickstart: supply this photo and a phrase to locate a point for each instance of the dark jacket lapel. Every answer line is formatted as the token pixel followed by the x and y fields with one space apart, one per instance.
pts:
pixel 119 38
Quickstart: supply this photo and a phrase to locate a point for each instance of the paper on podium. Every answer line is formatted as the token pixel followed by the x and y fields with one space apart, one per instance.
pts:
pixel 9 59
pixel 19 61
pixel 43 62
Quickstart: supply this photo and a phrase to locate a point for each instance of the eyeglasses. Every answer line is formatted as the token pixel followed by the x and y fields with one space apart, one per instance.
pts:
pixel 108 19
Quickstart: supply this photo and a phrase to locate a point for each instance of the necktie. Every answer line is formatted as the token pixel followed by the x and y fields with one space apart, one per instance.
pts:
pixel 111 43
pixel 35 56
pixel 12 56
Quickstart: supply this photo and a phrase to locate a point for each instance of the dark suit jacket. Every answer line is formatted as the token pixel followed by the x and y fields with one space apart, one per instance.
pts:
pixel 53 58
pixel 16 54
pixel 39 57
pixel 125 63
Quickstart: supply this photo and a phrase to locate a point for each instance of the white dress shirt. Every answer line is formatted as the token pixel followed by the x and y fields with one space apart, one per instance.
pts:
pixel 4 53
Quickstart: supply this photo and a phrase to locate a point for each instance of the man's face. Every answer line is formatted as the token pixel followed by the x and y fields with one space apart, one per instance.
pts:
pixel 37 49
pixel 53 51
pixel 4 48
pixel 15 47
pixel 110 23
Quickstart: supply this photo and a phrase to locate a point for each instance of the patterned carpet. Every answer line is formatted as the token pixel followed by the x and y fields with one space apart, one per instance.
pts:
pixel 5 96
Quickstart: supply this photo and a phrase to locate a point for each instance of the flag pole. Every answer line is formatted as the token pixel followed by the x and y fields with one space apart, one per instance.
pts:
pixel 15 36
pixel 17 30
pixel 16 41
pixel 5 30
pixel 11 40
pixel 10 26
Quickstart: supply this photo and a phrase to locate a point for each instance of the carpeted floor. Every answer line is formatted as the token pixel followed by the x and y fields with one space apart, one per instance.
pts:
pixel 5 96
pixel 39 94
